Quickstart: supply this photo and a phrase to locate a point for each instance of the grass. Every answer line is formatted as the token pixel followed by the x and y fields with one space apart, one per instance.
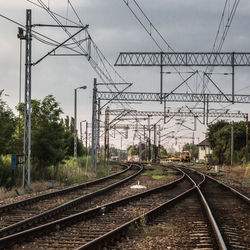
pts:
pixel 158 173
pixel 158 177
pixel 71 171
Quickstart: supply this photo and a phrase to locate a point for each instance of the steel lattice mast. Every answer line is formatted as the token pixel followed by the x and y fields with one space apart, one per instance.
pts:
pixel 27 106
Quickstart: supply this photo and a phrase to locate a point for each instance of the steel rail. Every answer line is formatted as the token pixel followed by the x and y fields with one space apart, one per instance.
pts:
pixel 234 191
pixel 60 192
pixel 21 236
pixel 210 216
pixel 54 211
pixel 213 223
pixel 101 241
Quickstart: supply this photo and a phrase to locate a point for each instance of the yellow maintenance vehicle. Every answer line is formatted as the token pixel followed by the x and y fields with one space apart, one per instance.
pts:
pixel 185 156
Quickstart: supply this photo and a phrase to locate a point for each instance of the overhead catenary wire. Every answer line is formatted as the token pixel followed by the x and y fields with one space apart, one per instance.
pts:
pixel 102 72
pixel 151 25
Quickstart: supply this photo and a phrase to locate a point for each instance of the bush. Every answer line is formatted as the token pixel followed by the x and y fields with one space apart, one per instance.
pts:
pixel 5 170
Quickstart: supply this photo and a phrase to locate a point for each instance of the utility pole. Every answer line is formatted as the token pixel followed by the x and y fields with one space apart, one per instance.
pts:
pixel 93 146
pixel 27 105
pixel 86 143
pixel 75 119
pixel 149 138
pixel 155 152
pixel 246 137
pixel 86 133
pixel 27 92
pixel 140 150
pixel 106 135
pixel 98 127
pixel 232 144
pixel 121 149
pixel 159 143
pixel 75 122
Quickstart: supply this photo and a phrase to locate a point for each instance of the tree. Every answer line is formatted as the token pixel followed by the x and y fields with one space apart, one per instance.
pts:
pixel 219 137
pixel 162 151
pixel 47 134
pixel 69 144
pixel 192 148
pixel 7 127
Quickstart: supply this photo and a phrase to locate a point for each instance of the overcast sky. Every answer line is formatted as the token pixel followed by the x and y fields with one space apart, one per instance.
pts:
pixel 187 25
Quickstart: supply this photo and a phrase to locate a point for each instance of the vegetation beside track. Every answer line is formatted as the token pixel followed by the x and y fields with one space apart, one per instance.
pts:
pixel 70 172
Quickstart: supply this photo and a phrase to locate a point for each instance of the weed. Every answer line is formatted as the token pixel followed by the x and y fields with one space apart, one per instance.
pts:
pixel 158 177
pixel 57 227
pixel 143 224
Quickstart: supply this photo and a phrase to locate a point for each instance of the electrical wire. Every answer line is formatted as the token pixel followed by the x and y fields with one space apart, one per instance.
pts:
pixel 103 73
pixel 151 25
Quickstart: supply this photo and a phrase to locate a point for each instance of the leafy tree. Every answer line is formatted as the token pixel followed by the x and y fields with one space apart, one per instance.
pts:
pixel 219 137
pixel 162 151
pixel 69 144
pixel 212 129
pixel 72 125
pixel 7 127
pixel 66 121
pixel 47 133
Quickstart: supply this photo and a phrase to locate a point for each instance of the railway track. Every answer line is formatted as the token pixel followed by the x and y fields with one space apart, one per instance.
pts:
pixel 191 207
pixel 224 226
pixel 180 226
pixel 231 212
pixel 95 222
pixel 24 214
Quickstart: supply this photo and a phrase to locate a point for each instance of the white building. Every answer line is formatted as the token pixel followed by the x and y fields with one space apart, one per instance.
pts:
pixel 204 150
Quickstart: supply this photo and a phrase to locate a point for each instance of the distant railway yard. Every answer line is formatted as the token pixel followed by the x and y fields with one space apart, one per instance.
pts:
pixel 141 206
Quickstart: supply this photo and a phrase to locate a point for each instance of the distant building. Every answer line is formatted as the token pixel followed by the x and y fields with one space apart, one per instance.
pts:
pixel 204 150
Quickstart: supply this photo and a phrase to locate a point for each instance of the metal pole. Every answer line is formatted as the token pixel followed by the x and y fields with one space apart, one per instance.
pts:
pixel 204 110
pixel 232 144
pixel 86 138
pixel 75 123
pixel 159 143
pixel 27 109
pixel 161 79
pixel 81 130
pixel 98 127
pixel 121 150
pixel 149 138
pixel 155 153
pixel 140 151
pixel 246 137
pixel 144 134
pixel 105 134
pixel 20 89
pixel 207 110
pixel 93 146
pixel 164 111
pixel 233 77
